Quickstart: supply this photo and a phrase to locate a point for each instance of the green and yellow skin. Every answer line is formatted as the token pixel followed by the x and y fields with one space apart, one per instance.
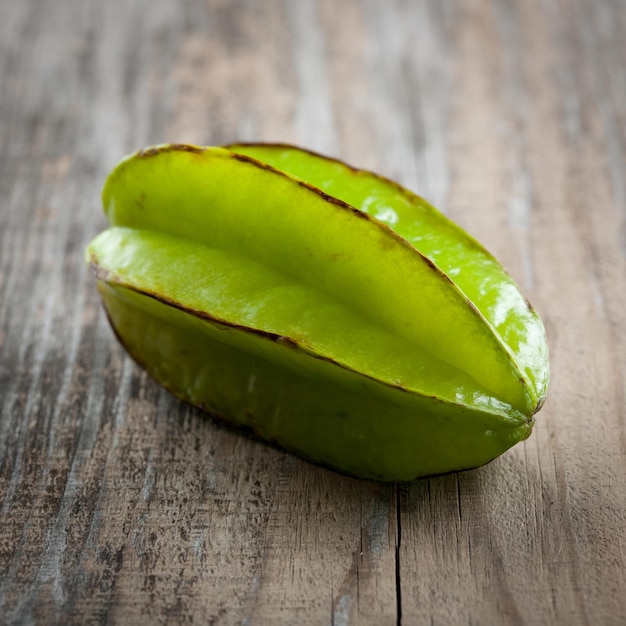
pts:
pixel 326 308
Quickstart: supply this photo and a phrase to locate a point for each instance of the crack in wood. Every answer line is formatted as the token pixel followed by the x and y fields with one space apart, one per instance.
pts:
pixel 398 547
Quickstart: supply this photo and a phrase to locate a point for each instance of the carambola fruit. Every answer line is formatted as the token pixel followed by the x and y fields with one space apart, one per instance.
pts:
pixel 326 308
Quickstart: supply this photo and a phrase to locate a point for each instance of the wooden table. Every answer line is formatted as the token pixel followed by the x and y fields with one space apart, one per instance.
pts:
pixel 119 504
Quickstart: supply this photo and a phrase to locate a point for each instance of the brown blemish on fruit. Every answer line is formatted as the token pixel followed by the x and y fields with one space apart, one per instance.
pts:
pixel 539 406
pixel 98 271
pixel 141 200
pixel 531 308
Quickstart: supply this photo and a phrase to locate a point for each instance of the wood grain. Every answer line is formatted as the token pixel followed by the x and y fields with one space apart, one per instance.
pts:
pixel 120 505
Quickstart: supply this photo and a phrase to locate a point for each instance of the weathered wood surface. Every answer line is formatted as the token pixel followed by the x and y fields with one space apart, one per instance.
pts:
pixel 120 505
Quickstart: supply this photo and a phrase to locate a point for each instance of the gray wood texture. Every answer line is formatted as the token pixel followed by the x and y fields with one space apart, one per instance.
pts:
pixel 120 505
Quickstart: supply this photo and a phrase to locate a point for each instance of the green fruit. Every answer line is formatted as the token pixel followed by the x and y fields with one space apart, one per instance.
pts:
pixel 328 309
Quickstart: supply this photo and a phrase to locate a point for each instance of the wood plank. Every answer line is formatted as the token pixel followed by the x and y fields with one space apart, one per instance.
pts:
pixel 119 504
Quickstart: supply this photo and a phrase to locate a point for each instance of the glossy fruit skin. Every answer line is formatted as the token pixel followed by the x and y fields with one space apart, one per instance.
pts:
pixel 193 283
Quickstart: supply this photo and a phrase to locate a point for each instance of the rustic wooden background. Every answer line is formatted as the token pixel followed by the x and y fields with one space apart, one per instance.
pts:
pixel 120 505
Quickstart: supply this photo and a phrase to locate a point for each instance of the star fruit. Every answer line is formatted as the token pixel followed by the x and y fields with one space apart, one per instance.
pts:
pixel 329 310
